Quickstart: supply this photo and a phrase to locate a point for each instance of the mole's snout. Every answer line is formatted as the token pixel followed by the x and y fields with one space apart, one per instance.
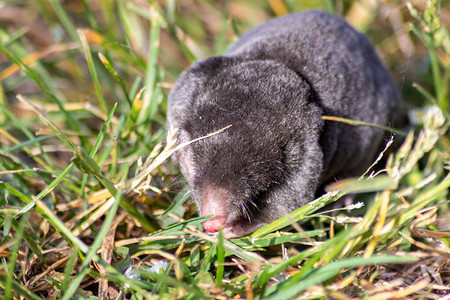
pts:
pixel 214 202
pixel 213 225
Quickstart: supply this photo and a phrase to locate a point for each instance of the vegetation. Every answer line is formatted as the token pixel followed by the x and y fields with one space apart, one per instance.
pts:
pixel 90 207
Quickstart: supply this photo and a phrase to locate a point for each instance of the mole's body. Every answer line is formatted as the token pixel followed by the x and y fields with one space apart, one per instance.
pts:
pixel 273 86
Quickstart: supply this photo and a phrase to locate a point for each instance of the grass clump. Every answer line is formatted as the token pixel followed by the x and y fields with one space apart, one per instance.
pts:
pixel 91 208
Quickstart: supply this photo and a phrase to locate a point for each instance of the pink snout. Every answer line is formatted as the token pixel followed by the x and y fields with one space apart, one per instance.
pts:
pixel 213 225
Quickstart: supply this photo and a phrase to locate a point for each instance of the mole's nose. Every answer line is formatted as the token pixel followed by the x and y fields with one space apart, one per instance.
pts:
pixel 214 224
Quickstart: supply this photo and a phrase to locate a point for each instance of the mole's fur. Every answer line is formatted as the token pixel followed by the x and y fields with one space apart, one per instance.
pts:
pixel 273 86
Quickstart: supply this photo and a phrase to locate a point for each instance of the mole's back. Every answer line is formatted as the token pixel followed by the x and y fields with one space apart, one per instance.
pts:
pixel 342 68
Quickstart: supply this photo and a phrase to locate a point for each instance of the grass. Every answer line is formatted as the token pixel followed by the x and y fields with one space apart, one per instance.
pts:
pixel 91 207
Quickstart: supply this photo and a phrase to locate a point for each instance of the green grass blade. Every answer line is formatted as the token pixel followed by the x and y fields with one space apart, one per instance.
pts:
pixel 232 248
pixel 355 185
pixel 65 19
pixel 116 77
pixel 296 215
pixel 134 30
pixel 94 247
pixel 48 215
pixel 270 271
pixel 13 258
pixel 102 133
pixel 19 289
pixel 178 201
pixel 87 165
pixel 98 142
pixel 47 190
pixel 181 225
pixel 71 121
pixel 48 164
pixel 220 252
pixel 275 239
pixel 149 102
pixel 35 248
pixel 70 266
pixel 29 142
pixel 93 71
pixel 319 275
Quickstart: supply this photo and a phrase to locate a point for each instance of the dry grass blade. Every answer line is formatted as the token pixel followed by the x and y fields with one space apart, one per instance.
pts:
pixel 361 123
pixel 106 251
pixel 49 123
pixel 94 216
pixel 401 294
pixel 36 56
pixel 135 184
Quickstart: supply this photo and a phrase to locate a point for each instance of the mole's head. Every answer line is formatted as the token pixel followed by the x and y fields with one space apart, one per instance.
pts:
pixel 234 174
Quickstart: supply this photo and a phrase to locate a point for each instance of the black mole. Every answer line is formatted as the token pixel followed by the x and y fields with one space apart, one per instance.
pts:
pixel 273 86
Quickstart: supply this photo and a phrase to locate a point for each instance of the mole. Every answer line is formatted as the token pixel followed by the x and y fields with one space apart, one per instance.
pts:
pixel 273 85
